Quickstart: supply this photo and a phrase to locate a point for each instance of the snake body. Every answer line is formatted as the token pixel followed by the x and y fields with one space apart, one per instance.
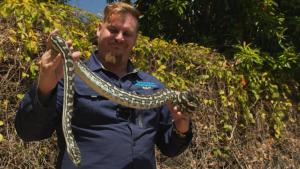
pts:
pixel 186 100
pixel 72 148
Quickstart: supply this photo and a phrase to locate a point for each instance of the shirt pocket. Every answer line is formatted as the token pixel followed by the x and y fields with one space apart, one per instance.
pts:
pixel 84 91
pixel 90 107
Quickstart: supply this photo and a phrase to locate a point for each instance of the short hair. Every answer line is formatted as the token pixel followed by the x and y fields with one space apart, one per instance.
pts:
pixel 120 8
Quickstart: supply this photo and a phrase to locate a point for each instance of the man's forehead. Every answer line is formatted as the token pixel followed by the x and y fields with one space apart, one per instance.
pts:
pixel 126 20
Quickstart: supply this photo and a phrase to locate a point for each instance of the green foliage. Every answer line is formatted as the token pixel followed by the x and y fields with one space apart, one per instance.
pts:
pixel 268 81
pixel 257 86
pixel 25 26
pixel 253 84
pixel 162 59
pixel 269 25
pixel 30 21
pixel 1 125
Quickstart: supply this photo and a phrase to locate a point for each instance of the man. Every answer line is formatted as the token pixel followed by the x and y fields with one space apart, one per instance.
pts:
pixel 109 136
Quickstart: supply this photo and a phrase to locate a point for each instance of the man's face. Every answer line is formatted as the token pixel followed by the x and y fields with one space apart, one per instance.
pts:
pixel 117 36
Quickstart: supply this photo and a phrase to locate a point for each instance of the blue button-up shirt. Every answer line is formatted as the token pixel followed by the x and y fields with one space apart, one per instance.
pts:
pixel 109 136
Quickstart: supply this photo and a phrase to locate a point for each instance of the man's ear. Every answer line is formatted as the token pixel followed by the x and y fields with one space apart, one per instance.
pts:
pixel 98 29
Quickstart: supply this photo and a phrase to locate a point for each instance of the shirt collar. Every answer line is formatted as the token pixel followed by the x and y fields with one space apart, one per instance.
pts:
pixel 95 64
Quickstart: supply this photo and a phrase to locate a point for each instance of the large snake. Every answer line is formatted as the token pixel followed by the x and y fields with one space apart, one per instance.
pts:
pixel 188 101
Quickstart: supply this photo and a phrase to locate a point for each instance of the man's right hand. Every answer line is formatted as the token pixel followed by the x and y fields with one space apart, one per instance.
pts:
pixel 51 67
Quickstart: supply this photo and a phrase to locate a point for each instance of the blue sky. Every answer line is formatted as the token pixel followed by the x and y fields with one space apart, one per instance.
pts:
pixel 94 6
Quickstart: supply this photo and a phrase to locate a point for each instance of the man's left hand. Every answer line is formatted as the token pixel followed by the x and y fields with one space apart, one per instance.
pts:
pixel 181 120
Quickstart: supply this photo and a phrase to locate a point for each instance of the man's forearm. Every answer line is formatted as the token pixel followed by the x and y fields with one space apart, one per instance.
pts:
pixel 35 121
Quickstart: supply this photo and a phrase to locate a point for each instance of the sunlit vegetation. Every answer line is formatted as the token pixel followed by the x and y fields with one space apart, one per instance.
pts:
pixel 249 114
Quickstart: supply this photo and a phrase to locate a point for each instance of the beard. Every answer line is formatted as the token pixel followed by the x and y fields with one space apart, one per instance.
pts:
pixel 114 58
pixel 110 58
pixel 113 53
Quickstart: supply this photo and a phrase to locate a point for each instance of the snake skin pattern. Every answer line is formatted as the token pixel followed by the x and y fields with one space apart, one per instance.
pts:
pixel 72 148
pixel 187 101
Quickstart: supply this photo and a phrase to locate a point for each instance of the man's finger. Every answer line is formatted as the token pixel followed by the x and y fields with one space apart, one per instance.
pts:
pixel 179 113
pixel 54 63
pixel 76 55
pixel 49 44
pixel 69 44
pixel 46 57
pixel 57 60
pixel 50 55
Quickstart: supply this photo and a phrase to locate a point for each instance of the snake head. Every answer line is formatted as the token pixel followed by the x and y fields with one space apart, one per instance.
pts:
pixel 188 101
pixel 58 43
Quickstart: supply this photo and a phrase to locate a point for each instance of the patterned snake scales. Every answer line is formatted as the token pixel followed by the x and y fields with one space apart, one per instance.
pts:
pixel 186 100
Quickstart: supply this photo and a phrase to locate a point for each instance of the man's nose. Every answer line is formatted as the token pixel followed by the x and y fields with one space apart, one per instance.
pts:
pixel 119 37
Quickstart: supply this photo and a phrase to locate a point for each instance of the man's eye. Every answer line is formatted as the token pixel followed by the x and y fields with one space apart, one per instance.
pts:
pixel 127 34
pixel 113 30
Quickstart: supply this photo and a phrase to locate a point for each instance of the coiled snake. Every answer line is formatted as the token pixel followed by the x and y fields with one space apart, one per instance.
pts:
pixel 186 100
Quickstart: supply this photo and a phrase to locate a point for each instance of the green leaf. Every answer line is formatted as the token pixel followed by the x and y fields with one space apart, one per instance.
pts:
pixel 1 137
pixel 227 127
pixel 20 96
pixel 25 75
pixel 161 68
pixel 33 69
